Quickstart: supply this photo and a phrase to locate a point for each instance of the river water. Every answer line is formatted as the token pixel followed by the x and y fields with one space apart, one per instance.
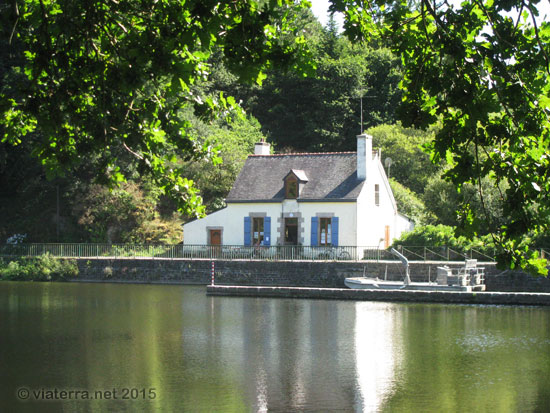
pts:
pixel 172 348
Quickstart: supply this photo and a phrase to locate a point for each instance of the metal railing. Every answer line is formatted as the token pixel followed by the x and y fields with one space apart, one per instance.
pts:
pixel 443 253
pixel 239 252
pixel 92 250
pixel 230 252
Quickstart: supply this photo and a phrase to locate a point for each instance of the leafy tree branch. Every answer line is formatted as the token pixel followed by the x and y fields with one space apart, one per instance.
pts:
pixel 93 76
pixel 483 75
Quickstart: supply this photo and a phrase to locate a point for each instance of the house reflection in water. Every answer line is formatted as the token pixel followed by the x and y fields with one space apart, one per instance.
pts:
pixel 294 355
pixel 377 353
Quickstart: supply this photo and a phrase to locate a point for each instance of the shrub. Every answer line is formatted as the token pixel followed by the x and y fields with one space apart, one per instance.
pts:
pixel 42 268
pixel 409 204
pixel 107 272
pixel 444 236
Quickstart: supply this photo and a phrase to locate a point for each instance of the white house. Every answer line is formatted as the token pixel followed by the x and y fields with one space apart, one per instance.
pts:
pixel 309 199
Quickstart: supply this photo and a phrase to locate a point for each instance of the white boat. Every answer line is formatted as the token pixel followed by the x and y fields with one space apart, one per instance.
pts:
pixel 469 278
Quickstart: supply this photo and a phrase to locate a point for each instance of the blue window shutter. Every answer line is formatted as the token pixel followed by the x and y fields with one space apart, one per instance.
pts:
pixel 247 230
pixel 335 225
pixel 267 231
pixel 314 225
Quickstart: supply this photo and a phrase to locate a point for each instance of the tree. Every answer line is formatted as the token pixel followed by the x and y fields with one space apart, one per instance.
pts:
pixel 411 165
pixel 480 68
pixel 129 213
pixel 409 204
pixel 322 113
pixel 444 236
pixel 234 142
pixel 111 77
pixel 441 198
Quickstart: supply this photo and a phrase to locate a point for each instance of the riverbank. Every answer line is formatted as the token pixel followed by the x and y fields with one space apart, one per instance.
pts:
pixel 447 297
pixel 259 273
pixel 324 274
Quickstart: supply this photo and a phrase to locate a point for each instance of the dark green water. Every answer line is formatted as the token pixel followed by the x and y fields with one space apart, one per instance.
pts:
pixel 171 348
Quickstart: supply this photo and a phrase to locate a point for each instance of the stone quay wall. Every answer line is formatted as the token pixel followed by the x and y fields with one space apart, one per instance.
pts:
pixel 329 274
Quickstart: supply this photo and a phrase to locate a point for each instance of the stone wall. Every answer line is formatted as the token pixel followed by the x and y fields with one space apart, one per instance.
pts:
pixel 144 270
pixel 517 281
pixel 291 274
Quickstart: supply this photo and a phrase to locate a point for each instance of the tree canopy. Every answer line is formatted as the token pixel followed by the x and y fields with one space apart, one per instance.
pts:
pixel 112 77
pixel 481 69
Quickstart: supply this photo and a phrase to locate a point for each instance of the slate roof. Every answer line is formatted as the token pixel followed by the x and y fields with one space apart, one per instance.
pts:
pixel 331 177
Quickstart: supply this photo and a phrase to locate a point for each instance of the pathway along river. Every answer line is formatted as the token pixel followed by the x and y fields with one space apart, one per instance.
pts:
pixel 172 348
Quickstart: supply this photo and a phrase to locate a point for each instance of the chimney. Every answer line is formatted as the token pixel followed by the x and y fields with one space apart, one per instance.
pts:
pixel 364 155
pixel 262 148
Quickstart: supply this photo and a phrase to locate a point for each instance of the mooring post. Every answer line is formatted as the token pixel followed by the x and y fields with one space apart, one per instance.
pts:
pixel 212 273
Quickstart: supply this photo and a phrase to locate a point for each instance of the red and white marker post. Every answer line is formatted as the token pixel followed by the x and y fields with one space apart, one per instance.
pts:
pixel 212 273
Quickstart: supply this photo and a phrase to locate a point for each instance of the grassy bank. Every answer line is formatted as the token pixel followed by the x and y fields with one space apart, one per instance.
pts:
pixel 42 268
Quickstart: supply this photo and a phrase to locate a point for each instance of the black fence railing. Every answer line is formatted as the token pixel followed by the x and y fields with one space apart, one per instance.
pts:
pixel 230 252
pixel 236 252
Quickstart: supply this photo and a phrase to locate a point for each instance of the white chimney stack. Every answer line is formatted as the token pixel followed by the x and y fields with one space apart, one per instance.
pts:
pixel 364 155
pixel 262 148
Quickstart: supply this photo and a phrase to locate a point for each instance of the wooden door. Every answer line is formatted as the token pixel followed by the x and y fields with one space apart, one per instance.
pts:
pixel 387 237
pixel 215 237
pixel 215 242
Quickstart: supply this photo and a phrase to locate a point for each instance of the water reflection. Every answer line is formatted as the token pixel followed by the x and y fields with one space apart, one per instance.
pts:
pixel 283 353
pixel 377 353
pixel 462 358
pixel 251 354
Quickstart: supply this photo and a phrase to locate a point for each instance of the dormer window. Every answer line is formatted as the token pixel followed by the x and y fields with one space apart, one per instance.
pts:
pixel 291 190
pixel 294 183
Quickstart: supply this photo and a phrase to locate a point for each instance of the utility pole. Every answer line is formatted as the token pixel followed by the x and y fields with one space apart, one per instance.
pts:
pixel 57 214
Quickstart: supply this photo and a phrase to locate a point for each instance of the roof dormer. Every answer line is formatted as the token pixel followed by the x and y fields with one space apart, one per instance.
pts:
pixel 294 181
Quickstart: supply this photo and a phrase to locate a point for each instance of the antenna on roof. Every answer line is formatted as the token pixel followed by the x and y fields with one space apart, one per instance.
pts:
pixel 361 96
pixel 361 112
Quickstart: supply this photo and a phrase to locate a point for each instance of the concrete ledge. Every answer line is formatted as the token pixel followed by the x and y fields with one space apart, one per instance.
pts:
pixel 499 298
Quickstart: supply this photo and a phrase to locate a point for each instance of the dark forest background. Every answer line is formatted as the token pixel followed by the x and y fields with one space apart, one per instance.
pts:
pixel 294 113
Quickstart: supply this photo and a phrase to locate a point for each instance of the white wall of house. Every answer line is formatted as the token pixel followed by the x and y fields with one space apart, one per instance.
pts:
pixel 373 218
pixel 231 221
pixel 347 219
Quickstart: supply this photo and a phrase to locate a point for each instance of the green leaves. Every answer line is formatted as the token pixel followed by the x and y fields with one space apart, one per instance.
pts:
pixel 483 75
pixel 98 78
pixel 16 124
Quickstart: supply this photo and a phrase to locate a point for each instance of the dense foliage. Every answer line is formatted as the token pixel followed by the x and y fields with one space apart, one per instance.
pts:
pixel 410 165
pixel 132 107
pixel 92 78
pixel 42 268
pixel 411 204
pixel 480 69
pixel 445 236
pixel 323 112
